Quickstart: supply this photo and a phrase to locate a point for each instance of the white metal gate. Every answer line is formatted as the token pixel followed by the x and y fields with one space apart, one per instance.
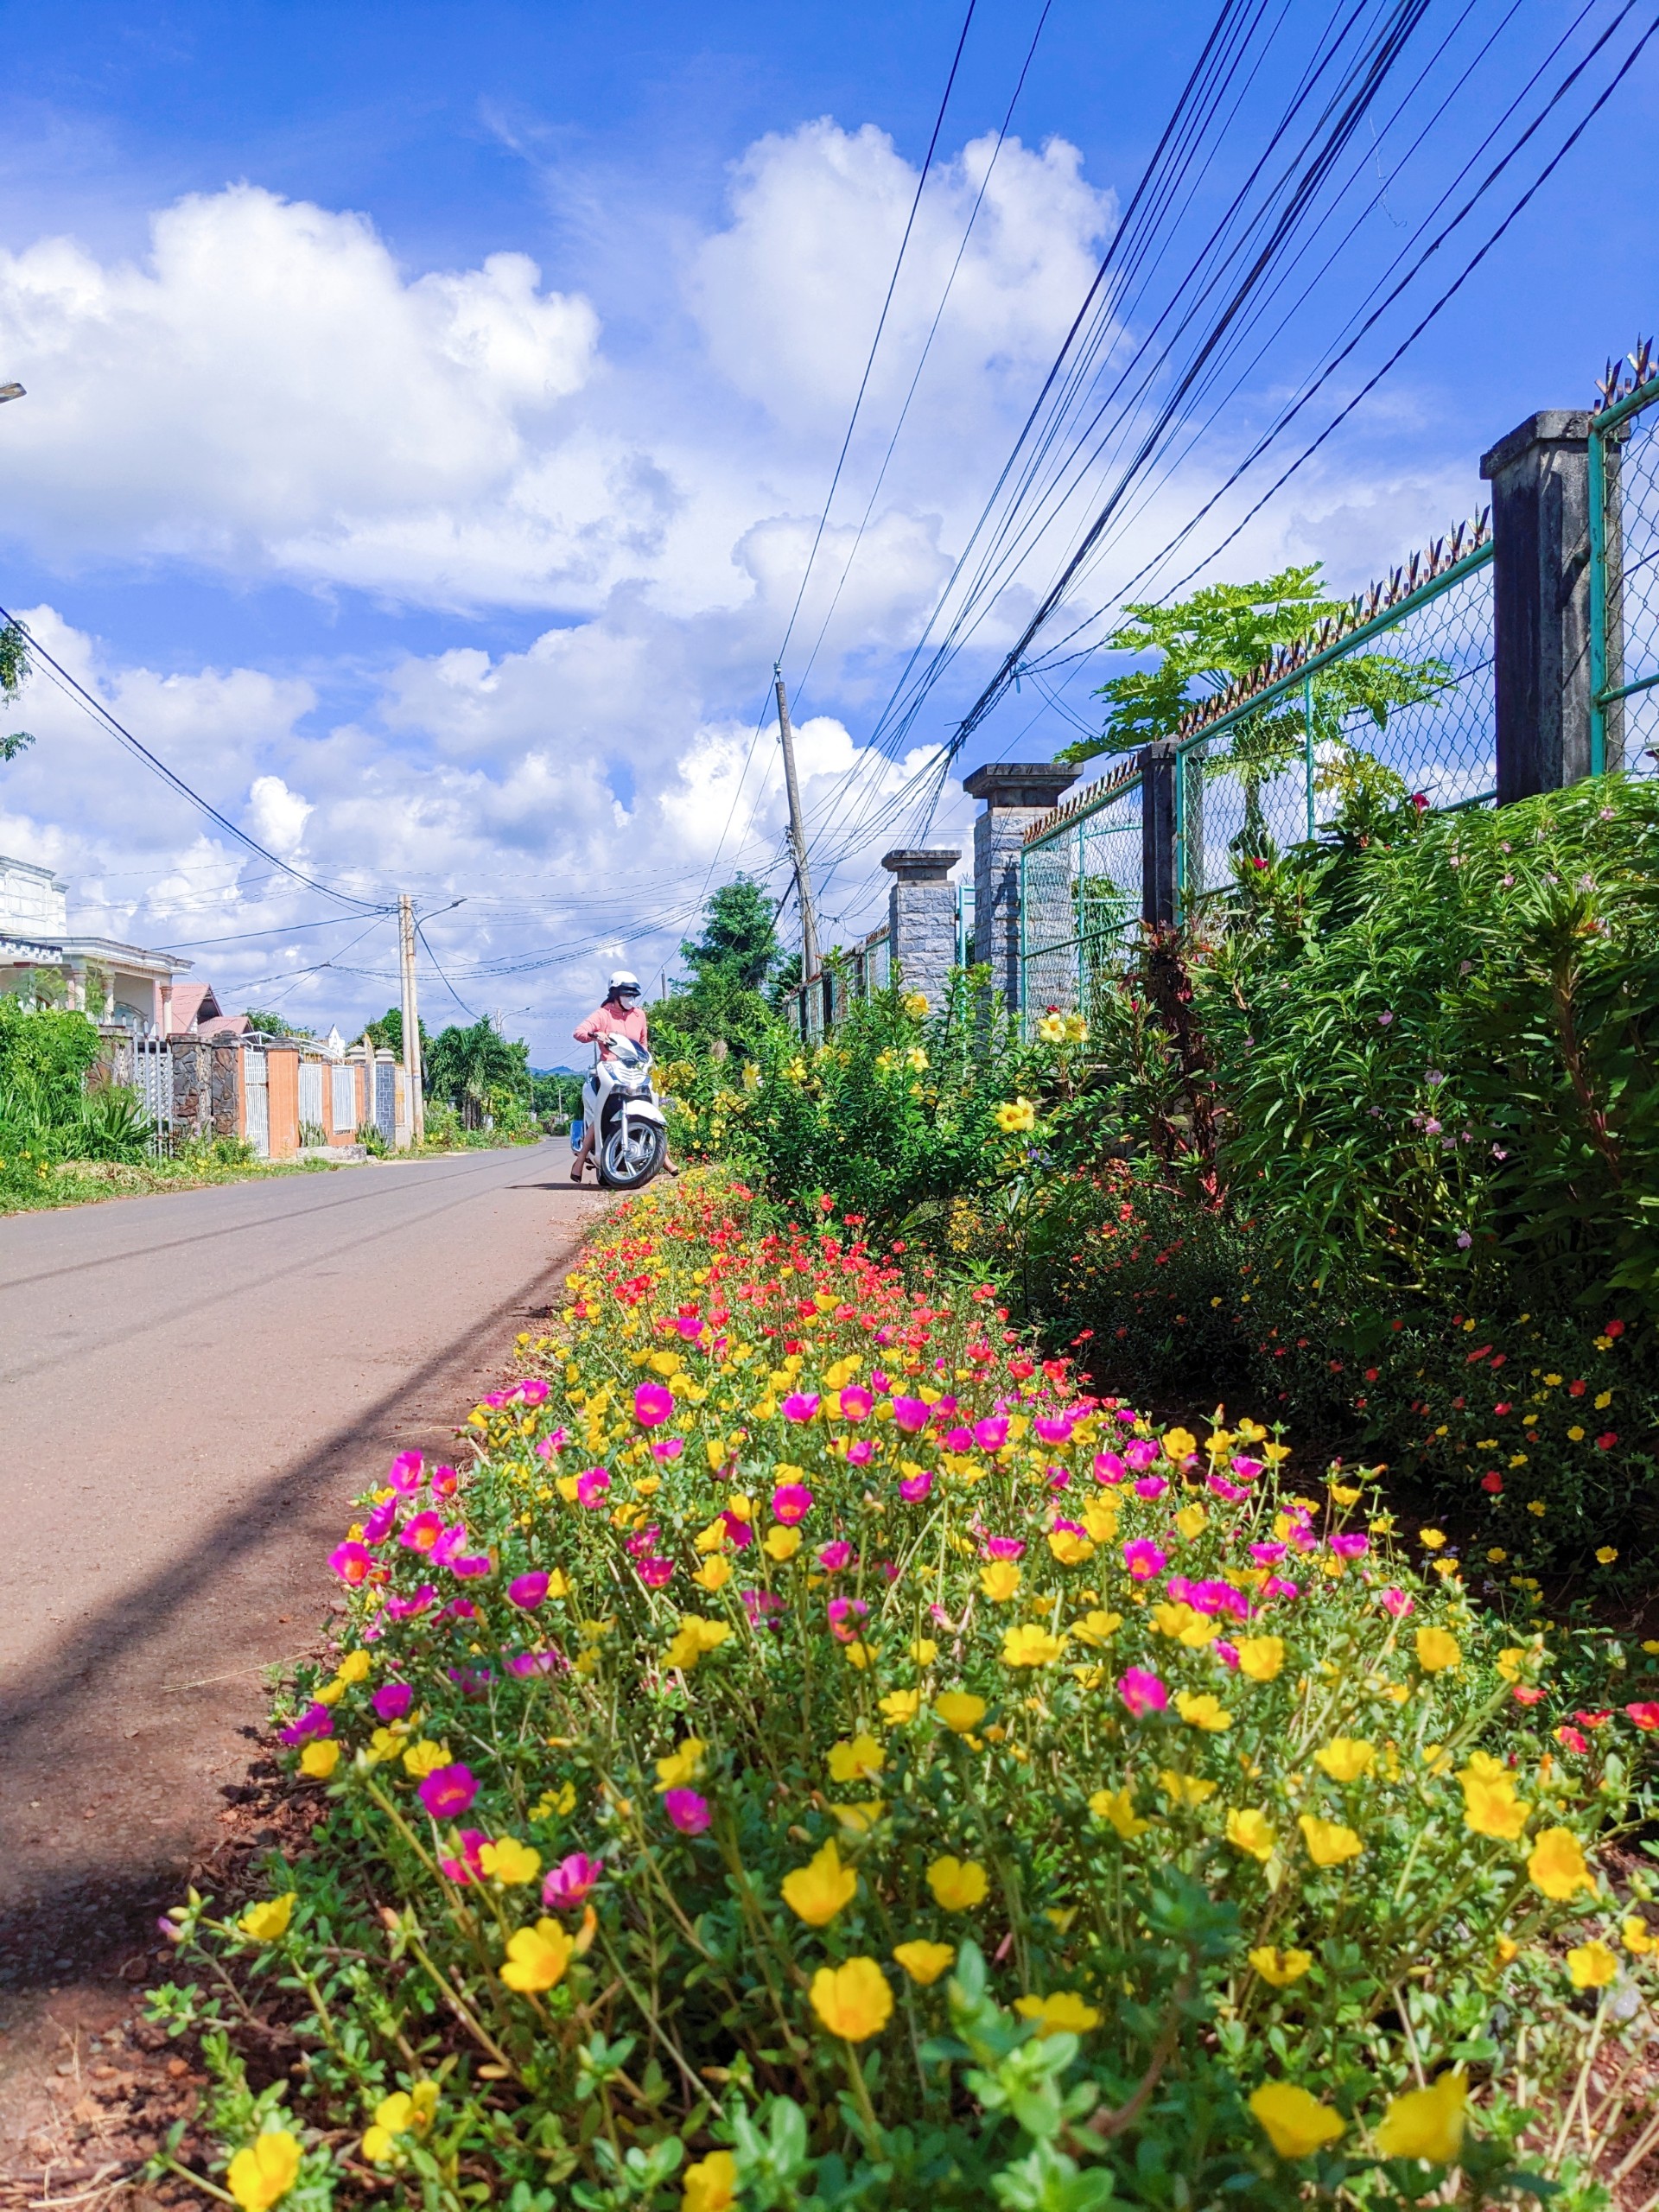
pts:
pixel 152 1079
pixel 344 1102
pixel 257 1092
pixel 310 1096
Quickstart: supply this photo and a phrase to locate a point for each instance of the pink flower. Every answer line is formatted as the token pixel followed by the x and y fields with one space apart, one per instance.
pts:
pixel 535 1662
pixel 1247 1470
pixel 572 1882
pixel 1227 1653
pixel 550 1447
pixel 532 1391
pixel 1230 1491
pixel 690 1326
pixel 527 1592
pixel 350 1562
pixel 878 1380
pixel 1277 1586
pixel 392 1701
pixel 379 1523
pixel 800 1405
pixel 667 1448
pixel 1139 1454
pixel 914 1488
pixel 1143 1559
pixel 422 1533
pixel 404 1473
pixel 652 1404
pixel 991 1433
pixel 860 1451
pixel 910 1414
pixel 1396 1602
pixel 1004 1548
pixel 403 1609
pixel 791 1502
pixel 1151 1486
pixel 467 1868
pixel 739 1533
pixel 1109 1467
pixel 655 1572
pixel 855 1403
pixel 316 1720
pixel 448 1791
pixel 847 1617
pixel 833 1557
pixel 1351 1546
pixel 592 1485
pixel 1052 1428
pixel 1267 1554
pixel 473 1567
pixel 689 1812
pixel 1142 1691
pixel 642 1542
pixel 446 1544
pixel 445 1482
pixel 957 1440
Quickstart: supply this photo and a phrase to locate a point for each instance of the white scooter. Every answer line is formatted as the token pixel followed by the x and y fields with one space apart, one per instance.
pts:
pixel 631 1140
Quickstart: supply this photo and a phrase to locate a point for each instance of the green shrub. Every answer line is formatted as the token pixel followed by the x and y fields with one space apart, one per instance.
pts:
pixel 817 1757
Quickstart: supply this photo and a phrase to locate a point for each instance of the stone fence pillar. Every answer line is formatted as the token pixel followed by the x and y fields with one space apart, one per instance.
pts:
pixel 1539 476
pixel 922 919
pixel 1013 794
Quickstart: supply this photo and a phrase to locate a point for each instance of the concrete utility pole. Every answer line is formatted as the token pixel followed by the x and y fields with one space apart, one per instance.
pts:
pixel 797 836
pixel 412 1070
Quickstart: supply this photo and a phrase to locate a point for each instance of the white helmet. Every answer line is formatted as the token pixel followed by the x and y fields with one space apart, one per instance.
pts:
pixel 621 984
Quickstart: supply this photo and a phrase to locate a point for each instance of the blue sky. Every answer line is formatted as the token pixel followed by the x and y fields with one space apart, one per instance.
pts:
pixel 431 410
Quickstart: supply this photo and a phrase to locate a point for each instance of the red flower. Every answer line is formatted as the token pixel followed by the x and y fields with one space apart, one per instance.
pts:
pixel 1020 1369
pixel 1526 1693
pixel 1576 1389
pixel 1646 1716
pixel 1493 1481
pixel 1503 1408
pixel 1571 1740
pixel 1592 1720
pixel 1614 1329
pixel 1606 1440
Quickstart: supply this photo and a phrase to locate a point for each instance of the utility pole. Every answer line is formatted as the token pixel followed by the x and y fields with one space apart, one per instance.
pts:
pixel 798 835
pixel 412 1070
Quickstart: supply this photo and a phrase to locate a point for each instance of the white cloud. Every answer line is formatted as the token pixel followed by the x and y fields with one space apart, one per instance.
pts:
pixel 279 816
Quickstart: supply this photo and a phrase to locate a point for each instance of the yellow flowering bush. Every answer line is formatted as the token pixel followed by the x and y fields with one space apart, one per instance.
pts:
pixel 1219 1860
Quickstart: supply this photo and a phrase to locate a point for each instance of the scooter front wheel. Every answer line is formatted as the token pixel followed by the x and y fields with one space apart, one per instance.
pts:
pixel 631 1156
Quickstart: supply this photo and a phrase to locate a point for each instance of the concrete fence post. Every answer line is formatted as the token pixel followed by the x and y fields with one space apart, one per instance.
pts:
pixel 922 919
pixel 1161 873
pixel 1013 794
pixel 1540 475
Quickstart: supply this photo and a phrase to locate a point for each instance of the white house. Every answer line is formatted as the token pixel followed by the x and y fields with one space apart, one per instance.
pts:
pixel 110 980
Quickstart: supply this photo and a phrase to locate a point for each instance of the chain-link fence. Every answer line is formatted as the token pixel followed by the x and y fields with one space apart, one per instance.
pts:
pixel 820 1004
pixel 1080 897
pixel 1624 571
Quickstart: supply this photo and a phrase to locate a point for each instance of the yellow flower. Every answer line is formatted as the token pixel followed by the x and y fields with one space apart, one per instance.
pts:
pixel 1030 1646
pixel 1070 1550
pixel 816 1891
pixel 425 1757
pixel 1183 1788
pixel 1557 1867
pixel 406 2111
pixel 320 1759
pixel 957 1884
pixel 1192 1520
pixel 1100 1519
pixel 900 1705
pixel 781 1544
pixel 713 1573
pixel 269 1919
pixel 1251 1831
pixel 1017 1116
pixel 1346 1758
pixel 682 1766
pixel 924 1652
pixel 1491 1808
pixel 1437 1650
pixel 711 2185
pixel 538 1956
pixel 1118 1808
pixel 1294 2123
pixel 1606 1554
pixel 385 1744
pixel 1432 1539
pixel 1051 1029
pixel 925 1963
pixel 915 1005
pixel 853 2001
pixel 852 1762
pixel 1273 1452
pixel 1180 1444
pixel 694 1636
pixel 1637 1938
pixel 835 1378
pixel 1000 1580
pixel 1200 1710
pixel 1328 1842
pixel 861 1818
pixel 1592 1966
pixel 1425 2123
pixel 264 2170
pixel 354 1667
pixel 510 1862
pixel 1095 1627
pixel 1261 1656
pixel 1279 1969
pixel 1061 2012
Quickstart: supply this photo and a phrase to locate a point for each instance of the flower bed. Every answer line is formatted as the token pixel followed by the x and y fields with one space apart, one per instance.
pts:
pixel 815 1755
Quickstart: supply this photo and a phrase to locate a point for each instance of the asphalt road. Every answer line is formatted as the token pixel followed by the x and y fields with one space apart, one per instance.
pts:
pixel 192 1389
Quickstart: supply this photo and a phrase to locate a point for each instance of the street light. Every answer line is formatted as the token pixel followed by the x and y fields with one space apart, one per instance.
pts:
pixel 12 392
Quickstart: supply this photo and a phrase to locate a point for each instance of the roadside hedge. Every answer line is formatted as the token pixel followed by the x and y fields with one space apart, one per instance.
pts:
pixel 814 1755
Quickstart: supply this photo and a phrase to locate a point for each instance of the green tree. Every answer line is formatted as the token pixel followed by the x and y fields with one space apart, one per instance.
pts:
pixel 386 1035
pixel 730 962
pixel 478 1072
pixel 274 1024
pixel 13 673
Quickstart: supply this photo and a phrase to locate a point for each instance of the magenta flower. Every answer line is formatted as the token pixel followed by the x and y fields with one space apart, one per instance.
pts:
pixel 855 1403
pixel 690 1325
pixel 533 1390
pixel 762 1608
pixel 550 1447
pixel 914 1488
pixel 448 1791
pixel 379 1524
pixel 643 1541
pixel 445 1482
pixel 1151 1486
pixel 1143 1559
pixel 421 1531
pixel 392 1701
pixel 473 1567
pixel 800 1405
pixel 1267 1554
pixel 991 1433
pixel 1052 1428
pixel 1230 1491
pixel 535 1662
pixel 316 1720
pixel 527 1592
pixel 652 1404
pixel 667 1448
pixel 403 1609
pixel 791 1502
pixel 591 1486
pixel 1396 1602
pixel 1352 1546
pixel 572 1882
pixel 957 1440
pixel 1248 1469
pixel 1004 1548
pixel 878 1380
pixel 739 1533
pixel 655 1572
pixel 833 1557
pixel 1227 1653
pixel 910 1414
pixel 1110 1467
pixel 466 1867
pixel 1277 1586
pixel 846 1618
pixel 404 1473
pixel 1061 1528
pixel 689 1812
pixel 350 1562
pixel 860 1451
pixel 447 1548
pixel 1139 1454
pixel 1142 1691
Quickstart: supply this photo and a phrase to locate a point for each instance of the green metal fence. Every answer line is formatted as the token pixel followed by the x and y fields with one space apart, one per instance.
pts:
pixel 1624 569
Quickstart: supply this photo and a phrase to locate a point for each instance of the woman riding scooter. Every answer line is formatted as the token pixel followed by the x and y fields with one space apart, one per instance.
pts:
pixel 621 1015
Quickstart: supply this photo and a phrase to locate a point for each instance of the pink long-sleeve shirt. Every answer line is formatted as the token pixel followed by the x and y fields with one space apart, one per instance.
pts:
pixel 613 1022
